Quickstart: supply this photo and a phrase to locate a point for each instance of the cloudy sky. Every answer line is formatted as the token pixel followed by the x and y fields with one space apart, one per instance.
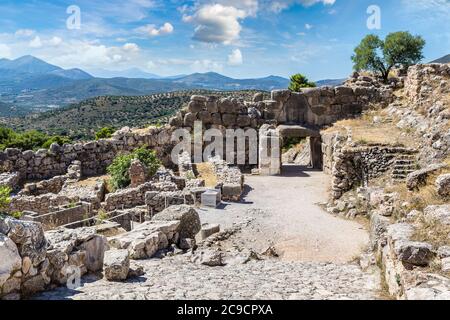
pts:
pixel 239 38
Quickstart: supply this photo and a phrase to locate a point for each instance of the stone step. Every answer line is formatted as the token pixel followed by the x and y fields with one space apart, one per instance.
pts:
pixel 405 166
pixel 404 161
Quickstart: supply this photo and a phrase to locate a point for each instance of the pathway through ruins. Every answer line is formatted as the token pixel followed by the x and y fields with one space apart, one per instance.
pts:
pixel 317 252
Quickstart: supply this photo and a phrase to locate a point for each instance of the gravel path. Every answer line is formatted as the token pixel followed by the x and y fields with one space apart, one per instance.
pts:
pixel 177 278
pixel 285 213
pixel 316 249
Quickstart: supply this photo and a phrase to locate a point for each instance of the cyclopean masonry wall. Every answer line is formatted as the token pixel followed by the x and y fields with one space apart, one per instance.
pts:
pixel 311 108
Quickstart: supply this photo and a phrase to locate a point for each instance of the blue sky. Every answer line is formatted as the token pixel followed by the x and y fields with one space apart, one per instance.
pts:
pixel 238 38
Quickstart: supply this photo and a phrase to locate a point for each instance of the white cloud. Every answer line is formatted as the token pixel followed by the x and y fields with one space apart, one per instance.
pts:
pixel 24 33
pixel 153 31
pixel 131 47
pixel 217 23
pixel 235 58
pixel 36 42
pixel 280 5
pixel 206 66
pixel 5 51
pixel 308 26
pixel 55 41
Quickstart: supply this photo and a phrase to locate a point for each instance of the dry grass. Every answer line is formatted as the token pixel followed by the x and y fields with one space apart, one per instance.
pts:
pixel 206 172
pixel 432 232
pixel 367 131
pixel 91 182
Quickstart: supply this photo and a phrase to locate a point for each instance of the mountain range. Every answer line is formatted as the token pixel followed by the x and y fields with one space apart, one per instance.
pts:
pixel 445 59
pixel 31 83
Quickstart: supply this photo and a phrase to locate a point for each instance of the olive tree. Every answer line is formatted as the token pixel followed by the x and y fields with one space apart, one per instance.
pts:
pixel 399 49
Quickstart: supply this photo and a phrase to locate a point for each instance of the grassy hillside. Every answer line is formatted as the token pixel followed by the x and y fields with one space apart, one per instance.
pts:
pixel 82 120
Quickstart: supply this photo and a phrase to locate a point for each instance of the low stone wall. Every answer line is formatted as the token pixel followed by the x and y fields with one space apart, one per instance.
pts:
pixel 355 166
pixel 53 185
pixel 40 204
pixel 66 215
pixel 132 197
pixel 94 156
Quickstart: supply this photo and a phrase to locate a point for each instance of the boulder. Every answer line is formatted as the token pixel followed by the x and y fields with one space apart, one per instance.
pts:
pixel 445 264
pixel 136 270
pixel 231 191
pixel 258 97
pixel 10 260
pixel 195 106
pixel 418 178
pixel 28 236
pixel 145 241
pixel 137 173
pixel 438 213
pixel 189 220
pixel 443 252
pixel 116 265
pixel 211 258
pixel 415 253
pixel 208 230
pixel 229 119
pixel 443 185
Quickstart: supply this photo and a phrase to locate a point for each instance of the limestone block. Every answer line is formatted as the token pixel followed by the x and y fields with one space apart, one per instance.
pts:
pixel 116 265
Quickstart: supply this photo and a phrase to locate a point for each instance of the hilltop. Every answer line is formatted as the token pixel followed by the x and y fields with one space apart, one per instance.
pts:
pixel 30 84
pixel 82 120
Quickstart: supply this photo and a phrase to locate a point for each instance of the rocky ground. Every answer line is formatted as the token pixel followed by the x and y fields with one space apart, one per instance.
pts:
pixel 178 278
pixel 315 261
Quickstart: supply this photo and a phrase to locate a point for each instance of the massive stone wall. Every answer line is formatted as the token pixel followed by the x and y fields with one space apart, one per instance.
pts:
pixel 313 107
pixel 426 83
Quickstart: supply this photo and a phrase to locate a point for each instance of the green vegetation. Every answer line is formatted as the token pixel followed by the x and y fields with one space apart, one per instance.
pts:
pixel 399 49
pixel 290 143
pixel 118 170
pixel 5 198
pixel 83 120
pixel 104 133
pixel 29 140
pixel 299 81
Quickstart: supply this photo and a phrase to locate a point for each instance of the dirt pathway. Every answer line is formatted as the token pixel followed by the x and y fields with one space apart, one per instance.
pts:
pixel 285 212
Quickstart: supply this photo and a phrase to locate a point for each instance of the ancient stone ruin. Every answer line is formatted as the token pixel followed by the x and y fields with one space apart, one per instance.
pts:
pixel 71 224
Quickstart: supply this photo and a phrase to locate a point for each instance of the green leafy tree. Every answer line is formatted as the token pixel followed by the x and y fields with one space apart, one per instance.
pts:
pixel 299 81
pixel 29 140
pixel 104 133
pixel 118 170
pixel 399 49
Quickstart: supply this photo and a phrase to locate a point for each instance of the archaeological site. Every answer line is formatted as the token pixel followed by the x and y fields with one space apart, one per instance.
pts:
pixel 356 209
pixel 223 158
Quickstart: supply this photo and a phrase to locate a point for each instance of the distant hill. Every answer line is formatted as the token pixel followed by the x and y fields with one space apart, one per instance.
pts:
pixel 28 65
pixel 128 73
pixel 82 120
pixel 30 83
pixel 330 82
pixel 445 59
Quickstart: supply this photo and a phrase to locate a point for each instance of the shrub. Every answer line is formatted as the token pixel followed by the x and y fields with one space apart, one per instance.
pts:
pixel 118 170
pixel 5 198
pixel 104 133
